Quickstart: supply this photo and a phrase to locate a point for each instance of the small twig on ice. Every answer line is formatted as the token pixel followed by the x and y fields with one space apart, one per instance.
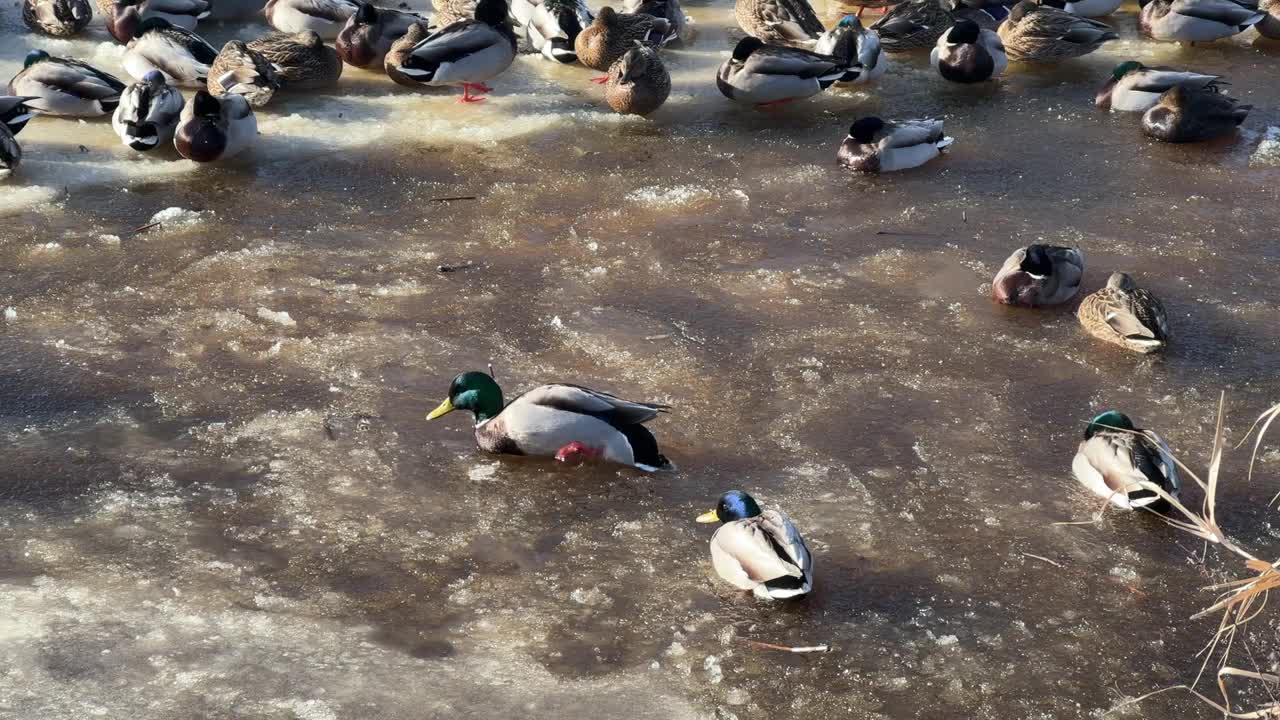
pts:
pixel 1051 562
pixel 784 648
pixel 146 227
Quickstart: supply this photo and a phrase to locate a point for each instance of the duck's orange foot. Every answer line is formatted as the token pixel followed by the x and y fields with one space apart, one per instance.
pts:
pixel 600 80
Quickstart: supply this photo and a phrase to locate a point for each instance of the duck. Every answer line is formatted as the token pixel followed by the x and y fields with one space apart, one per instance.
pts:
pixel 364 41
pixel 611 34
pixel 125 17
pixel 554 26
pixel 242 71
pixel 1189 114
pixel 466 53
pixel 789 23
pixel 15 113
pixel 1192 21
pixel 326 18
pixel 916 24
pixel 758 550
pixel 1134 87
pixel 148 113
pixel 58 18
pixel 851 42
pixel 767 75
pixel 400 50
pixel 669 10
pixel 181 55
pixel 1269 26
pixel 1126 315
pixel 448 12
pixel 1092 8
pixel 968 54
pixel 1043 33
pixel 212 129
pixel 10 153
pixel 638 82
pixel 1115 458
pixel 547 418
pixel 875 145
pixel 61 86
pixel 301 60
pixel 1039 275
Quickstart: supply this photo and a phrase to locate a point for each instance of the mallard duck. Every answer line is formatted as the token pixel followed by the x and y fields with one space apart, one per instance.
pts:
pixel 148 113
pixel 302 61
pixel 465 53
pixel 1134 87
pixel 918 24
pixel 791 23
pixel 848 41
pixel 59 18
pixel 669 10
pixel 554 26
pixel 448 12
pixel 323 17
pixel 59 86
pixel 364 41
pixel 612 34
pixel 968 54
pixel 124 17
pixel 1197 20
pixel 758 550
pixel 1188 114
pixel 1115 458
pixel 1126 315
pixel 181 55
pixel 765 75
pixel 15 113
pixel 400 50
pixel 875 145
pixel 545 419
pixel 10 152
pixel 1042 33
pixel 212 129
pixel 242 71
pixel 638 82
pixel 1269 26
pixel 1039 275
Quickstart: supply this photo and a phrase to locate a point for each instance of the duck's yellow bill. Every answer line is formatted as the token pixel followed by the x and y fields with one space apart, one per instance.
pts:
pixel 709 517
pixel 445 408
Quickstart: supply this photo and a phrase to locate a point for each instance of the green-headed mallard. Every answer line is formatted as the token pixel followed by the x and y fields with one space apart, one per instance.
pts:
pixel 966 53
pixel 59 18
pixel 1039 275
pixel 242 71
pixel 367 37
pixel 791 23
pixel 323 17
pixel 181 55
pixel 466 53
pixel 554 26
pixel 15 113
pixel 758 550
pixel 212 129
pixel 59 86
pixel 849 42
pixel 10 152
pixel 1115 458
pixel 875 145
pixel 612 34
pixel 638 82
pixel 124 17
pixel 1269 26
pixel 1198 20
pixel 1042 33
pixel 1134 87
pixel 765 75
pixel 148 113
pixel 1126 315
pixel 302 61
pixel 547 418
pixel 1187 114
pixel 915 24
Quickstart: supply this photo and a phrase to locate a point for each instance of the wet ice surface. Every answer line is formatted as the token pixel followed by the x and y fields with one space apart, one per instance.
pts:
pixel 221 499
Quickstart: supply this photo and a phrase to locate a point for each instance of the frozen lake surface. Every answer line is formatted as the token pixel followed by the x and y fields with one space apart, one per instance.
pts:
pixel 221 500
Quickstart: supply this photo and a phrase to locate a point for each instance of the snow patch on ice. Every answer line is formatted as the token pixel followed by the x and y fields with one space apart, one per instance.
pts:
pixel 1268 152
pixel 280 317
pixel 670 197
pixel 15 199
pixel 176 217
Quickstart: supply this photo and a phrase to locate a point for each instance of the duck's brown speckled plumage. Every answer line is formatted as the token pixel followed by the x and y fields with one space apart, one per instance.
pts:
pixel 58 18
pixel 638 82
pixel 1041 33
pixel 302 60
pixel 612 34
pixel 247 71
pixel 400 49
pixel 779 22
pixel 1126 315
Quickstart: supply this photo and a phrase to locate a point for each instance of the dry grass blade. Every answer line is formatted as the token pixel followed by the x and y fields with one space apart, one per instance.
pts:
pixel 1265 419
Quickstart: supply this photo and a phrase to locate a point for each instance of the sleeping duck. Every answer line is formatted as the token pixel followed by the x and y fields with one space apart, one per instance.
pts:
pixel 181 55
pixel 1039 275
pixel 1126 315
pixel 125 17
pixel 758 550
pixel 1189 114
pixel 638 82
pixel 875 145
pixel 10 153
pixel 554 26
pixel 967 53
pixel 789 23
pixel 611 34
pixel 59 18
pixel 301 60
pixel 916 24
pixel 242 71
pixel 669 10
pixel 447 12
pixel 1134 87
pixel 399 52
pixel 15 113
pixel 364 41
pixel 326 18
pixel 148 113
pixel 1092 8
pixel 466 53
pixel 58 86
pixel 547 418
pixel 1116 458
pixel 1043 33
pixel 766 75
pixel 212 129
pixel 1197 20
pixel 850 42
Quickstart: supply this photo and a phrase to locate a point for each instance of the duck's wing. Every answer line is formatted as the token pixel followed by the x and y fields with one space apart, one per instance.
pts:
pixel 1157 80
pixel 784 534
pixel 1226 12
pixel 777 60
pixel 1136 315
pixel 1122 461
pixel 1162 460
pixel 452 42
pixel 332 10
pixel 909 133
pixel 794 20
pixel 585 401
pixel 76 78
pixel 195 8
pixel 752 551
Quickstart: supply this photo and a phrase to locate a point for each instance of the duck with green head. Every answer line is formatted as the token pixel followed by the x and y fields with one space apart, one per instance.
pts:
pixel 548 418
pixel 758 550
pixel 1116 458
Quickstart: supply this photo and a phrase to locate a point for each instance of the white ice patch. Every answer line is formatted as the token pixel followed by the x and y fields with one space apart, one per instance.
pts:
pixel 15 199
pixel 279 317
pixel 670 197
pixel 178 217
pixel 482 473
pixel 1268 152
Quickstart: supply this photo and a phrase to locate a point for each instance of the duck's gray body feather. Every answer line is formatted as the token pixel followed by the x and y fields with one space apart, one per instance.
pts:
pixel 58 86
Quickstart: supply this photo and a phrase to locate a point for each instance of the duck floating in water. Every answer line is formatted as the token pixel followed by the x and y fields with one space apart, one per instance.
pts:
pixel 850 42
pixel 611 34
pixel 1116 458
pixel 301 60
pixel 15 113
pixel 545 419
pixel 1126 315
pixel 1189 114
pixel 767 75
pixel 758 550
pixel 368 35
pixel 325 18
pixel 1039 275
pixel 1192 21
pixel 181 55
pixel 875 145
pixel 212 129
pixel 60 86
pixel 58 18
pixel 788 23
pixel 466 53
pixel 638 82
pixel 967 54
pixel 1046 34
pixel 148 113
pixel 1134 87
